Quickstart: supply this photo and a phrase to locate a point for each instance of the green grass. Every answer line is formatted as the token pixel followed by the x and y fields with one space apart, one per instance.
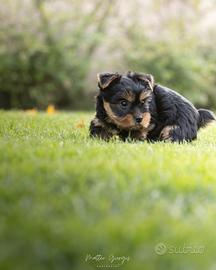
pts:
pixel 64 195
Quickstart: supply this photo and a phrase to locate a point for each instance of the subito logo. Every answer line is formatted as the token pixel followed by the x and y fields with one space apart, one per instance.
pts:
pixel 160 249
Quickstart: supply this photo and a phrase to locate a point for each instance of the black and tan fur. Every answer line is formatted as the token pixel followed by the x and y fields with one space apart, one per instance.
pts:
pixel 133 106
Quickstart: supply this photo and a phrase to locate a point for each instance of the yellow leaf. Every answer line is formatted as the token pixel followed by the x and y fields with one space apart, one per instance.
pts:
pixel 80 124
pixel 51 109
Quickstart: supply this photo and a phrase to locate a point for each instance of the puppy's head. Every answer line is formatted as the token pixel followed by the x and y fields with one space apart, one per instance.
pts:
pixel 126 98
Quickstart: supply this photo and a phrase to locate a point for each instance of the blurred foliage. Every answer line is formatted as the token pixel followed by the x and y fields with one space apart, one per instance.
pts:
pixel 178 66
pixel 52 55
pixel 45 62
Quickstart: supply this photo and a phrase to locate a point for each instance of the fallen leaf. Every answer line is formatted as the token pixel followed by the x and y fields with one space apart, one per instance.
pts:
pixel 51 109
pixel 80 124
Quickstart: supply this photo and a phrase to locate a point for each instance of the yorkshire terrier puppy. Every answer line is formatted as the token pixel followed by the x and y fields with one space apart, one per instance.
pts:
pixel 133 106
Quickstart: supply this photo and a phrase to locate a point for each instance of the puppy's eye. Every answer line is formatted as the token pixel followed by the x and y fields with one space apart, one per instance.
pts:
pixel 142 101
pixel 124 103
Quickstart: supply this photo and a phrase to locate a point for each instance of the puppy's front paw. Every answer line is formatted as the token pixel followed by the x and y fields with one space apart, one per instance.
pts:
pixel 98 129
pixel 142 134
pixel 138 135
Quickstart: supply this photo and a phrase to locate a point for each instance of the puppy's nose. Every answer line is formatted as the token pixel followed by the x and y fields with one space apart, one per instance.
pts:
pixel 139 119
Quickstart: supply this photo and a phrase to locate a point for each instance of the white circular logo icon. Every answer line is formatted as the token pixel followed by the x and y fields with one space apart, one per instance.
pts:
pixel 160 249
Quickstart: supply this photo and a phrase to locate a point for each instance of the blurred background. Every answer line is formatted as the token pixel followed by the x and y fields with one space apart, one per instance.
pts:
pixel 51 50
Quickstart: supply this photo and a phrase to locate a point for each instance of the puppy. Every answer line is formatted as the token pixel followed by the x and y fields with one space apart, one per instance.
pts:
pixel 133 106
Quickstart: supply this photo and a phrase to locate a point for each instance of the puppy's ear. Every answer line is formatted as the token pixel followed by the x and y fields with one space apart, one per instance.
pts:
pixel 149 78
pixel 146 78
pixel 105 79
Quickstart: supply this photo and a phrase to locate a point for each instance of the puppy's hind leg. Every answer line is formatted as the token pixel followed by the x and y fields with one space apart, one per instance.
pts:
pixel 176 133
pixel 167 133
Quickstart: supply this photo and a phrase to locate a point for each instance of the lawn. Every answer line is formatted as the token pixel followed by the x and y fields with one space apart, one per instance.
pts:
pixel 71 202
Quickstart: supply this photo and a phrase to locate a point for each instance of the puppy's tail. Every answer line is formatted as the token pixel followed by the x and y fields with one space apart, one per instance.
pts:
pixel 205 117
